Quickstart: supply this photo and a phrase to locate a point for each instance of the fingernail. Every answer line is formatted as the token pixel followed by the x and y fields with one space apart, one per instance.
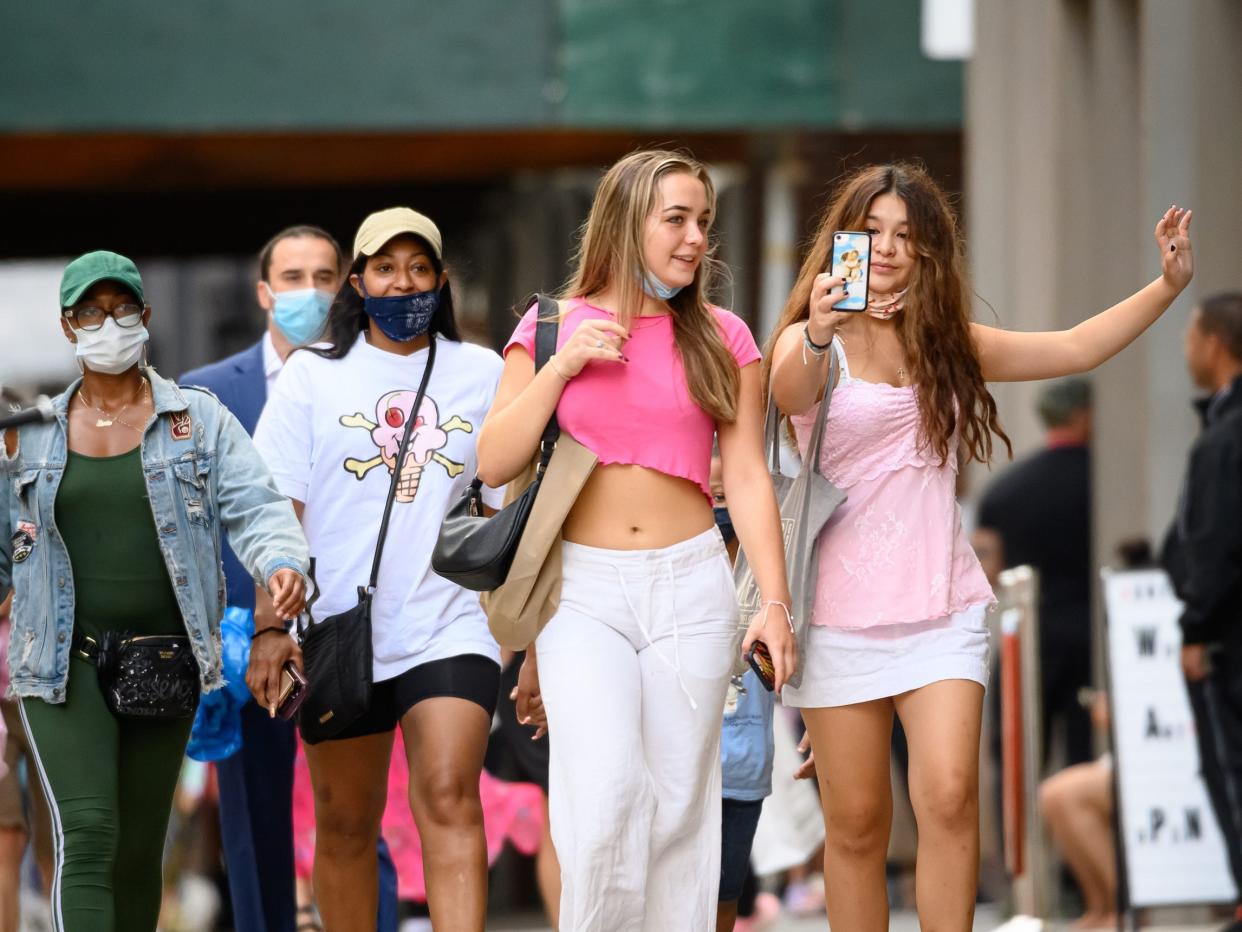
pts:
pixel 271 710
pixel 624 358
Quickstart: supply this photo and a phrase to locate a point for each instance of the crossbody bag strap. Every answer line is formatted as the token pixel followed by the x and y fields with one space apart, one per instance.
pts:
pixel 771 427
pixel 817 433
pixel 411 419
pixel 547 328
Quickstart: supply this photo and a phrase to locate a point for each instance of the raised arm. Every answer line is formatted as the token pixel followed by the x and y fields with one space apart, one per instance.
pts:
pixel 798 371
pixel 1009 356
pixel 525 400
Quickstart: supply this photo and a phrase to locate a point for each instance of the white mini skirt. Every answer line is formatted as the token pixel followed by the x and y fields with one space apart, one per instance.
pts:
pixel 848 665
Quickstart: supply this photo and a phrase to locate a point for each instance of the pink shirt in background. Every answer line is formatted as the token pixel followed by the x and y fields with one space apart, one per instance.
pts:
pixel 895 551
pixel 641 412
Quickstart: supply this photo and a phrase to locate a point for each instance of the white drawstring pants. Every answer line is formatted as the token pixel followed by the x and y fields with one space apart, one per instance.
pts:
pixel 633 670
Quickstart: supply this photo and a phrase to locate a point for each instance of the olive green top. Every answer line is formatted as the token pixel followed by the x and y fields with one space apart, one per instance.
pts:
pixel 120 581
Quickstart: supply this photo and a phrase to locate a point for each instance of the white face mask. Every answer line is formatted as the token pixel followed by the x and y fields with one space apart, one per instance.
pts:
pixel 112 348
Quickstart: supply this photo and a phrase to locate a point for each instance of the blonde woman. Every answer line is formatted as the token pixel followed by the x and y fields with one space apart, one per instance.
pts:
pixel 633 668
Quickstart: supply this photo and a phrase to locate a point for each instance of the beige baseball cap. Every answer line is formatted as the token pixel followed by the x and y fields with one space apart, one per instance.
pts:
pixel 383 225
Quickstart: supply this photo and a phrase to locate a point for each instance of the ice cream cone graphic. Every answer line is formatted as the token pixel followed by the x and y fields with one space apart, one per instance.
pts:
pixel 427 439
pixel 407 482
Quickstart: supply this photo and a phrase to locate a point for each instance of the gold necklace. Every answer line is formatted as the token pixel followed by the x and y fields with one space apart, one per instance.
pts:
pixel 107 419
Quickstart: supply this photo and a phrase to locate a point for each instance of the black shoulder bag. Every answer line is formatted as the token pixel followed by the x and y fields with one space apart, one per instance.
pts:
pixel 336 652
pixel 475 551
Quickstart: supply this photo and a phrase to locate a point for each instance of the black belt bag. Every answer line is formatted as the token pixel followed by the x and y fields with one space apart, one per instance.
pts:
pixel 154 677
pixel 336 652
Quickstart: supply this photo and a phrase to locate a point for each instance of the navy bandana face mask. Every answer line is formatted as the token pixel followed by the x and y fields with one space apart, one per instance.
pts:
pixel 403 317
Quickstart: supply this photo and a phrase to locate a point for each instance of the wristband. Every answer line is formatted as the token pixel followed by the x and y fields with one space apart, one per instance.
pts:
pixel 817 348
pixel 272 629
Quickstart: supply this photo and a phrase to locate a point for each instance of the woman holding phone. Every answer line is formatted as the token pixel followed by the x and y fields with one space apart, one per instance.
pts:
pixel 898 626
pixel 633 667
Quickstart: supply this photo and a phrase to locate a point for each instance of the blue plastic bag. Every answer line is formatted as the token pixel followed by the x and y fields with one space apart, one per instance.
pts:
pixel 216 733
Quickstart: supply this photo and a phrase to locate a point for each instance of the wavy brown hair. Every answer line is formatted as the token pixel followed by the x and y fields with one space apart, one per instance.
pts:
pixel 934 327
pixel 610 254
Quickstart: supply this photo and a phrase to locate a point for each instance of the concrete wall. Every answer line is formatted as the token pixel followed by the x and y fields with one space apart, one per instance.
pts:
pixel 1085 120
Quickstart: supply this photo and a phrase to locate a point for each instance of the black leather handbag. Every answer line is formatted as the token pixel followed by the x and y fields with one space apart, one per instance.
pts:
pixel 336 652
pixel 476 551
pixel 153 677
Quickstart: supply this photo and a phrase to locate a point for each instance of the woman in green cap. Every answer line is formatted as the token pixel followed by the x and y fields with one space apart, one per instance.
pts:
pixel 110 520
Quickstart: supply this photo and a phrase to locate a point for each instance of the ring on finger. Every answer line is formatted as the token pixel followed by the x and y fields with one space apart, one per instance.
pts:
pixel 599 344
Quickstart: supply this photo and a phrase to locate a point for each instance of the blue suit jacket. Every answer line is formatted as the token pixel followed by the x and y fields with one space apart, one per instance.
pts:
pixel 240 384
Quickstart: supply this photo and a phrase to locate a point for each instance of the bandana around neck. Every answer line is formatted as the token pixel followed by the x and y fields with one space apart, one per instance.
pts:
pixel 885 306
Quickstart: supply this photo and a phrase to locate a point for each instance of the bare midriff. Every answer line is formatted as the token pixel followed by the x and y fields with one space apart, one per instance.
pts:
pixel 624 507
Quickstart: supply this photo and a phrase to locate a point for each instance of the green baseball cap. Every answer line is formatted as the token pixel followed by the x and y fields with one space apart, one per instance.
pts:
pixel 98 266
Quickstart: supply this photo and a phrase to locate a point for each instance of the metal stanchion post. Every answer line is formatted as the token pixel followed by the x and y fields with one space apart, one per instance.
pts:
pixel 1027 854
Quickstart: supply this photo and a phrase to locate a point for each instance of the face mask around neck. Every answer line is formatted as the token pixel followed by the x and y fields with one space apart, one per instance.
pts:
pixel 886 306
pixel 657 289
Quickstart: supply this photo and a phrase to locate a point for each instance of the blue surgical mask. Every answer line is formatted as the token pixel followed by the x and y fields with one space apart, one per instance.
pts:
pixel 657 289
pixel 300 314
pixel 402 317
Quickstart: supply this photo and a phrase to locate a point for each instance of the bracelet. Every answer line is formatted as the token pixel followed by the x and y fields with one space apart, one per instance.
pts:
pixel 557 369
pixel 817 348
pixel 788 614
pixel 276 629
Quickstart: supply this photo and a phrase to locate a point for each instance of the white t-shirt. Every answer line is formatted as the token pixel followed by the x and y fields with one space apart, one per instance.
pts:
pixel 330 433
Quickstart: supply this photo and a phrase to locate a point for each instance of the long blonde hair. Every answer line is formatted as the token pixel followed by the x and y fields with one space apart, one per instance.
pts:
pixel 934 328
pixel 610 253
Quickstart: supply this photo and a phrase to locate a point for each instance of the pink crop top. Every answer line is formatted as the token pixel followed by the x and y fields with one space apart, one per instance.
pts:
pixel 895 551
pixel 641 412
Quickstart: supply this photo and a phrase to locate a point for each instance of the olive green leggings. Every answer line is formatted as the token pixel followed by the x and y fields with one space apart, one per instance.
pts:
pixel 109 783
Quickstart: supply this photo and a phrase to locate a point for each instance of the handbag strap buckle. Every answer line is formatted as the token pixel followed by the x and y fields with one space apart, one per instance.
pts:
pixel 546 449
pixel 84 646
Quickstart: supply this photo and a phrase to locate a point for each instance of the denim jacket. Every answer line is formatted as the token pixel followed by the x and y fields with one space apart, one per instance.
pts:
pixel 201 472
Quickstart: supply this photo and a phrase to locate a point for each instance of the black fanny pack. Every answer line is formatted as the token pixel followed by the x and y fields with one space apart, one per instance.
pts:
pixel 154 677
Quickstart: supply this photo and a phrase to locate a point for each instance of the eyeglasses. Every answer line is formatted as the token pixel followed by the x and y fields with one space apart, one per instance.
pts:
pixel 92 318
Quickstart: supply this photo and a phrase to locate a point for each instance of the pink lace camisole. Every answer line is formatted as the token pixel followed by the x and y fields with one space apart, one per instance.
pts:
pixel 895 551
pixel 641 412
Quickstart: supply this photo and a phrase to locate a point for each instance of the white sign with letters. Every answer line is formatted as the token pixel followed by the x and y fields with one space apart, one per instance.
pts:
pixel 1173 847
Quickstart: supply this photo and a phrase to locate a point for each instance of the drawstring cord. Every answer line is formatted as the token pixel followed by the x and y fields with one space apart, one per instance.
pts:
pixel 674 664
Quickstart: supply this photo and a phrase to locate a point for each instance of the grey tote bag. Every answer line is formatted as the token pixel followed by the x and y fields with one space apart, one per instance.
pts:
pixel 807 503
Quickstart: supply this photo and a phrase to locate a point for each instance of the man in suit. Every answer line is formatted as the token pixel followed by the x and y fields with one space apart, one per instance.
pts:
pixel 300 270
